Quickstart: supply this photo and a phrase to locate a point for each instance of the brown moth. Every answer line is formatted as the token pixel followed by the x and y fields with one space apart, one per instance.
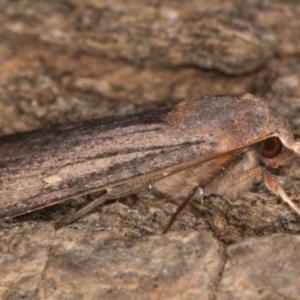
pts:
pixel 212 145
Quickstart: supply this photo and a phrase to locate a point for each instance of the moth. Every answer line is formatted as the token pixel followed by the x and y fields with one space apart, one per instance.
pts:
pixel 212 145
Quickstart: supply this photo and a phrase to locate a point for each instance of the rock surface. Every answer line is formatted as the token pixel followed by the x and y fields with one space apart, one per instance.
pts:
pixel 68 61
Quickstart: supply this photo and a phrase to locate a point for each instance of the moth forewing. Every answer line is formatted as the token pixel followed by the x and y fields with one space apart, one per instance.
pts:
pixel 124 188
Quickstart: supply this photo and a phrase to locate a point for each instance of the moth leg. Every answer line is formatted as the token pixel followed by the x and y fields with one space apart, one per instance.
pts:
pixel 256 174
pixel 241 182
pixel 201 192
pixel 182 206
pixel 275 187
pixel 99 201
pixel 112 193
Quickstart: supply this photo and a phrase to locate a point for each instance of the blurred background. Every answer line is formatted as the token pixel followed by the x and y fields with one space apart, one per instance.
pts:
pixel 64 61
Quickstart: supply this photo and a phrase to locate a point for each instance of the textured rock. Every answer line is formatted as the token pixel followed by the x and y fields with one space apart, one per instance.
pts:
pixel 68 61
pixel 262 268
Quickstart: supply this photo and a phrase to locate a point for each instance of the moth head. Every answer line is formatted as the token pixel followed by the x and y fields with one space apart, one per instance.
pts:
pixel 278 147
pixel 275 152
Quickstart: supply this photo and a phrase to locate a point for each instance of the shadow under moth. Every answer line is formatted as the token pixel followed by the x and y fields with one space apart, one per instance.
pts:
pixel 212 145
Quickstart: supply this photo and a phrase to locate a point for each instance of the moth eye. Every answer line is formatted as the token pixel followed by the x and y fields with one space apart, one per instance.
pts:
pixel 271 147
